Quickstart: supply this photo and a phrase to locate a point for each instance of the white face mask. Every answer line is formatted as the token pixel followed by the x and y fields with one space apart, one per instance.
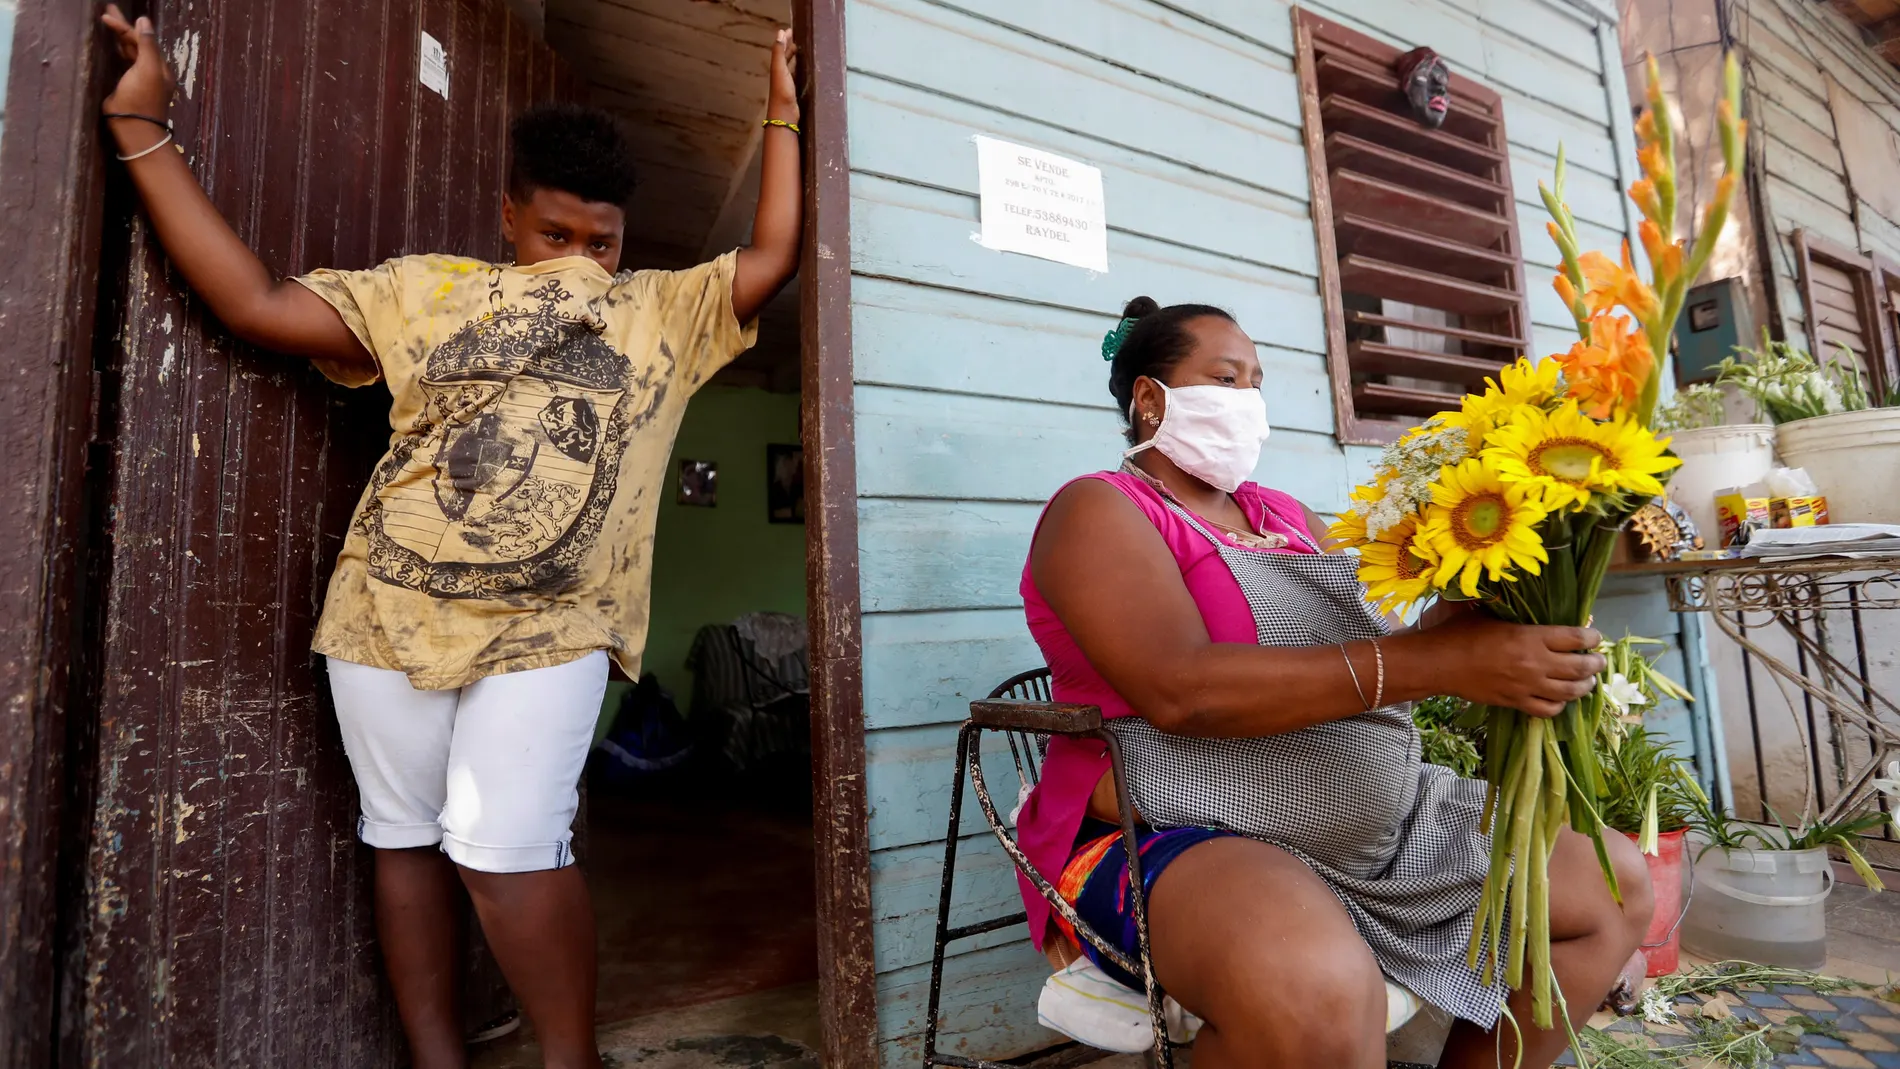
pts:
pixel 1213 433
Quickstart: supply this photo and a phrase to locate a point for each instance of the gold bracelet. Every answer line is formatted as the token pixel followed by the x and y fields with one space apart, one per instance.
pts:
pixel 789 125
pixel 1378 693
pixel 1345 650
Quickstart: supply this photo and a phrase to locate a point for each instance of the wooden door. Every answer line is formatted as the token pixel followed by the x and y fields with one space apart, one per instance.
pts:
pixel 226 917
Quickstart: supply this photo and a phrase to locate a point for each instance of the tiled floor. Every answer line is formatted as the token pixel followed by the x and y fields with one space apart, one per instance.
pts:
pixel 1863 944
pixel 1849 1030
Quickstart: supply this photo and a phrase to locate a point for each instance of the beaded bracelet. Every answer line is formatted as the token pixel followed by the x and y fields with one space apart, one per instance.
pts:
pixel 792 126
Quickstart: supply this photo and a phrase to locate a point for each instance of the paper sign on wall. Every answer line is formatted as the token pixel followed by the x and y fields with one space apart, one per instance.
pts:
pixel 435 66
pixel 1041 205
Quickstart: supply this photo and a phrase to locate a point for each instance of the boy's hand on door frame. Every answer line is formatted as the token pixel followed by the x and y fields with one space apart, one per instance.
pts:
pixel 783 102
pixel 769 262
pixel 147 85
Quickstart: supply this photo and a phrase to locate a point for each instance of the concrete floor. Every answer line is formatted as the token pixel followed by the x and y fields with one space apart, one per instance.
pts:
pixel 1863 932
pixel 698 968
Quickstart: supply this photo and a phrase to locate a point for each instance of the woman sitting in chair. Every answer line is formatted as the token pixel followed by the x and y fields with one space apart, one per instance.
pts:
pixel 1297 852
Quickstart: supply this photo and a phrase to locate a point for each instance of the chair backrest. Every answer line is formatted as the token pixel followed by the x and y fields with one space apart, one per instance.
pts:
pixel 1026 748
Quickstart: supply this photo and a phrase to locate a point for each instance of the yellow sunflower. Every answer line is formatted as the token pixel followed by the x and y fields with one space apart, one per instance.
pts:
pixel 1479 526
pixel 1397 570
pixel 1564 457
pixel 1349 529
pixel 1521 383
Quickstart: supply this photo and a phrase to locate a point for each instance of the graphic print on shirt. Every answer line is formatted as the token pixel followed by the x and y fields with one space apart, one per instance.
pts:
pixel 504 481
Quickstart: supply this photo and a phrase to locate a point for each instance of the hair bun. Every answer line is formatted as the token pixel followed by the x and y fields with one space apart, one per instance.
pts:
pixel 1139 307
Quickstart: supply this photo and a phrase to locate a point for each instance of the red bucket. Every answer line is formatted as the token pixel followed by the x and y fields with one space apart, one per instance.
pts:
pixel 1662 945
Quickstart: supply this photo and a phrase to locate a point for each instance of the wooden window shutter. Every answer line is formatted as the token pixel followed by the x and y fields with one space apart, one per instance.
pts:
pixel 1420 268
pixel 1841 293
pixel 1887 293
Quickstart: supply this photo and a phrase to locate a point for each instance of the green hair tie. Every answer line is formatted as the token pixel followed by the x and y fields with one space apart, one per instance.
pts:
pixel 1112 341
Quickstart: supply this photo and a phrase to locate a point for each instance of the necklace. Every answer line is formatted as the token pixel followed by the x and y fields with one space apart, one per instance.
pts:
pixel 1243 538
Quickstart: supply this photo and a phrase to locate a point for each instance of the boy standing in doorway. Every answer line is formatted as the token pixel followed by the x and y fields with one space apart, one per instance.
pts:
pixel 501 551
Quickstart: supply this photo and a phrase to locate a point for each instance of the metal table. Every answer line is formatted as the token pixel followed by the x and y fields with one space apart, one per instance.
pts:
pixel 1801 595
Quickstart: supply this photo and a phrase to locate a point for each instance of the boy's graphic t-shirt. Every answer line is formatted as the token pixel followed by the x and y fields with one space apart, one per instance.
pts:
pixel 510 525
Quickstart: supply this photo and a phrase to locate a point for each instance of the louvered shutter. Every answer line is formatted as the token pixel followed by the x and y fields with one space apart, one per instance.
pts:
pixel 1420 266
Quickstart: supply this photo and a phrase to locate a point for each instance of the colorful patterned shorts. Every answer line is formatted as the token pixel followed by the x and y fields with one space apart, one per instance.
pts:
pixel 1095 882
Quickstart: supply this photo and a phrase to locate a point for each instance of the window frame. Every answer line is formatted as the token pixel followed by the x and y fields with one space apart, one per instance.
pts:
pixel 1875 283
pixel 1313 33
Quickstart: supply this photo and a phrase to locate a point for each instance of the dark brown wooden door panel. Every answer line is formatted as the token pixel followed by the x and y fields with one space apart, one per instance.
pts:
pixel 227 920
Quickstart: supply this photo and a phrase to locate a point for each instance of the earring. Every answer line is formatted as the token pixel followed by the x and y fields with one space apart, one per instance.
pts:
pixel 1151 419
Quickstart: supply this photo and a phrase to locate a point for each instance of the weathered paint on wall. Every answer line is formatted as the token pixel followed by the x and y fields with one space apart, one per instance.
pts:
pixel 229 903
pixel 980 384
pixel 1790 51
pixel 1793 49
pixel 1686 39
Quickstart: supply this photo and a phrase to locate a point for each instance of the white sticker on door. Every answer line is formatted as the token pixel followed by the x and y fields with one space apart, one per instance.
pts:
pixel 435 66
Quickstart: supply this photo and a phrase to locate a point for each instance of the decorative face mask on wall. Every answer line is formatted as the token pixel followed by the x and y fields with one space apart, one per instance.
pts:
pixel 1427 84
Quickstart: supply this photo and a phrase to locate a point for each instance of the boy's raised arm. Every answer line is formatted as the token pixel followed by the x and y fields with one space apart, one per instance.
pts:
pixel 221 269
pixel 772 258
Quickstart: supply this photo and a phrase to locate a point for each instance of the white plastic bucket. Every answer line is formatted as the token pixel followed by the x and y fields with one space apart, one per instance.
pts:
pixel 1714 459
pixel 1764 906
pixel 1854 458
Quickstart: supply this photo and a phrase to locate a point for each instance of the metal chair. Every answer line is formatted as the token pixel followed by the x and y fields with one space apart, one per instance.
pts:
pixel 1022 711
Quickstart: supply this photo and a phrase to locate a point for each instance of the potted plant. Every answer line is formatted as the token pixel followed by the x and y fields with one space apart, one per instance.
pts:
pixel 1826 422
pixel 1762 888
pixel 1650 797
pixel 1648 794
pixel 1715 454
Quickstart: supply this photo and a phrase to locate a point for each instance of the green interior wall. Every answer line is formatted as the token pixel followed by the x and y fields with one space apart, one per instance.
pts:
pixel 713 564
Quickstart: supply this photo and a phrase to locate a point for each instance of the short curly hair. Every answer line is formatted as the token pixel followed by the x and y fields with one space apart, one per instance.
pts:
pixel 572 149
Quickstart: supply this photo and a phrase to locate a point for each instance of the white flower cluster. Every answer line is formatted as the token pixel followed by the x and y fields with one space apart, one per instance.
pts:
pixel 1407 469
pixel 1658 1008
pixel 1790 384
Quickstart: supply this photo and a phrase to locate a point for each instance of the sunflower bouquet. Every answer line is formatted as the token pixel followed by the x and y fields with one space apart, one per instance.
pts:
pixel 1516 500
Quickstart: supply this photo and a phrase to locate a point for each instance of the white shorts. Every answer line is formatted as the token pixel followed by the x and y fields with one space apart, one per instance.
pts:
pixel 491 771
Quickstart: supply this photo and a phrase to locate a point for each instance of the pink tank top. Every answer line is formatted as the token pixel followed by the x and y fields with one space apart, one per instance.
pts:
pixel 1049 821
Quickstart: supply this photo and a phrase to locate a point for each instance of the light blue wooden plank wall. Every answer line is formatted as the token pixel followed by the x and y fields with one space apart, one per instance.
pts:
pixel 980 386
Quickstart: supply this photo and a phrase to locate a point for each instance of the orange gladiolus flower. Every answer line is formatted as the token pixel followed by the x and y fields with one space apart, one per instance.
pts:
pixel 1648 201
pixel 1646 128
pixel 1651 157
pixel 1565 290
pixel 1667 256
pixel 1611 284
pixel 1606 374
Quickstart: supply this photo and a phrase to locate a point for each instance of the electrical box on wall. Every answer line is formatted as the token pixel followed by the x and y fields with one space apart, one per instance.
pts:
pixel 1714 321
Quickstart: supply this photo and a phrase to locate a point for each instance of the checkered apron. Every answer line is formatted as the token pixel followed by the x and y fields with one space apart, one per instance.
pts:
pixel 1398 841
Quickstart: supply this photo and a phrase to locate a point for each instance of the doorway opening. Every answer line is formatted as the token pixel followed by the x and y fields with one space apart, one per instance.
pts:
pixel 696 830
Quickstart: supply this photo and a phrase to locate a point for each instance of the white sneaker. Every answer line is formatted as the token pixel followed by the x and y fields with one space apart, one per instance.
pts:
pixel 1083 1003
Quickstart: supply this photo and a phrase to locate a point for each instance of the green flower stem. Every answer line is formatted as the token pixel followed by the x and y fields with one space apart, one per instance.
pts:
pixel 1523 820
pixel 1539 935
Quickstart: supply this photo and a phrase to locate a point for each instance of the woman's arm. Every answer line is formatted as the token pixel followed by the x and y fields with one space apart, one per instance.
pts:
pixel 1112 581
pixel 222 270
